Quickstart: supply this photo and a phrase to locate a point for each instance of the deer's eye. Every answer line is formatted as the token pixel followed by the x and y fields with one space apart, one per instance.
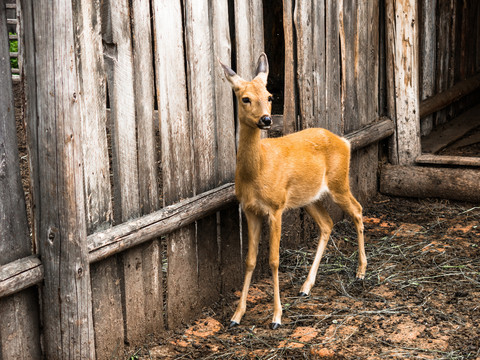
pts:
pixel 270 98
pixel 246 100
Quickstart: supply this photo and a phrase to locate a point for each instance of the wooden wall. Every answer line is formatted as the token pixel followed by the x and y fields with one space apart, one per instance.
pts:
pixel 107 84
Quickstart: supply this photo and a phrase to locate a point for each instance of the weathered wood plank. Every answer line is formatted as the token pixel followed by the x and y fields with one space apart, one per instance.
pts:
pixel 449 96
pixel 19 331
pixel 305 63
pixel 108 320
pixel 199 52
pixel 371 133
pixel 350 50
pixel 443 50
pixel 427 57
pixel 248 35
pixel 403 31
pixel 390 76
pixel 431 159
pixel 446 134
pixel 147 164
pixel 120 77
pixel 418 181
pixel 289 93
pixel 332 67
pixel 229 228
pixel 177 157
pixel 319 68
pixel 62 237
pixel 164 221
pixel 17 276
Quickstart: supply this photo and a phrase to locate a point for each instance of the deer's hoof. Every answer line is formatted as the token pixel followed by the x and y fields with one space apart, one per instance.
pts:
pixel 274 326
pixel 302 294
pixel 233 324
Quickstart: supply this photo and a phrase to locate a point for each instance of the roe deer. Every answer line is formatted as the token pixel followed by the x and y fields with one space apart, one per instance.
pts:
pixel 273 175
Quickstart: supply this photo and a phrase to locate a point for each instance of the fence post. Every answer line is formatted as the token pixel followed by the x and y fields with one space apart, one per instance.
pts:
pixel 62 235
pixel 19 330
pixel 402 80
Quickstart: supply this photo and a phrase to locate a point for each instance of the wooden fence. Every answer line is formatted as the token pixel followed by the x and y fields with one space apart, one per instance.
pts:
pixel 134 225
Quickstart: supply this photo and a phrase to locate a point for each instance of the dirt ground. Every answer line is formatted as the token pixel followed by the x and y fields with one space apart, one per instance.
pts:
pixel 419 299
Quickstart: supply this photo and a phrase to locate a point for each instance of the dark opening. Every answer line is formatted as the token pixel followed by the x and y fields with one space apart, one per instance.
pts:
pixel 275 50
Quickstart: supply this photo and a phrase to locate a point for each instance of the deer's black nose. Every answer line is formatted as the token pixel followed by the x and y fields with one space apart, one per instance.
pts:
pixel 266 120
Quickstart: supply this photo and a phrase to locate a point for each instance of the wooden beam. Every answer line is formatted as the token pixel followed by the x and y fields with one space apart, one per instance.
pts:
pixel 162 222
pixel 371 133
pixel 448 160
pixel 422 182
pixel 20 274
pixel 455 93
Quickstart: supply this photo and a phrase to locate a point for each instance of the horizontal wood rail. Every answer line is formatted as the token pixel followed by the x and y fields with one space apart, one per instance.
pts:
pixel 20 274
pixel 137 231
pixel 448 160
pixel 443 99
pixel 28 271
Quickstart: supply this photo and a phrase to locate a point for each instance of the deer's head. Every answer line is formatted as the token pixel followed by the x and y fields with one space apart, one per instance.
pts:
pixel 254 100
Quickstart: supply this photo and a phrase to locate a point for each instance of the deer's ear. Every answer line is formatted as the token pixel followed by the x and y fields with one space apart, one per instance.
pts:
pixel 262 68
pixel 235 80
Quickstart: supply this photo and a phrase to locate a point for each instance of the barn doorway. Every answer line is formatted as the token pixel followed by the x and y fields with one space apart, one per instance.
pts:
pixel 449 83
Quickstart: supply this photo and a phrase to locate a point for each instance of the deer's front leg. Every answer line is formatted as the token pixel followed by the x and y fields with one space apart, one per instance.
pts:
pixel 254 223
pixel 275 234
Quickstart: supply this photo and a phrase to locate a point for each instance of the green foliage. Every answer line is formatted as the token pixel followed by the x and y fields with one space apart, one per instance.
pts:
pixel 14 48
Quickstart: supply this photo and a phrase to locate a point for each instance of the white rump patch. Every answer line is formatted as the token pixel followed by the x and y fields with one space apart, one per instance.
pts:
pixel 321 193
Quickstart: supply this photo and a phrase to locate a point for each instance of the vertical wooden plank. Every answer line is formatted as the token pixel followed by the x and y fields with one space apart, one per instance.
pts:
pixel 147 164
pixel 362 55
pixel 350 56
pixel 19 327
pixel 199 53
pixel 289 104
pixel 405 61
pixel 177 158
pixel 427 37
pixel 106 292
pixel 369 163
pixel 120 77
pixel 248 35
pixel 444 22
pixel 229 219
pixel 390 76
pixel 62 236
pixel 319 68
pixel 305 62
pixel 332 66
pixel 225 123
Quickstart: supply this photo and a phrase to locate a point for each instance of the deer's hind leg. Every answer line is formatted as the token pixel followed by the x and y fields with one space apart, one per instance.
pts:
pixel 325 224
pixel 352 207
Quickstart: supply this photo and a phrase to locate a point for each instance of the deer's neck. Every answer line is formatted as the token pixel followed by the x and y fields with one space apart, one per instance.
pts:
pixel 250 157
